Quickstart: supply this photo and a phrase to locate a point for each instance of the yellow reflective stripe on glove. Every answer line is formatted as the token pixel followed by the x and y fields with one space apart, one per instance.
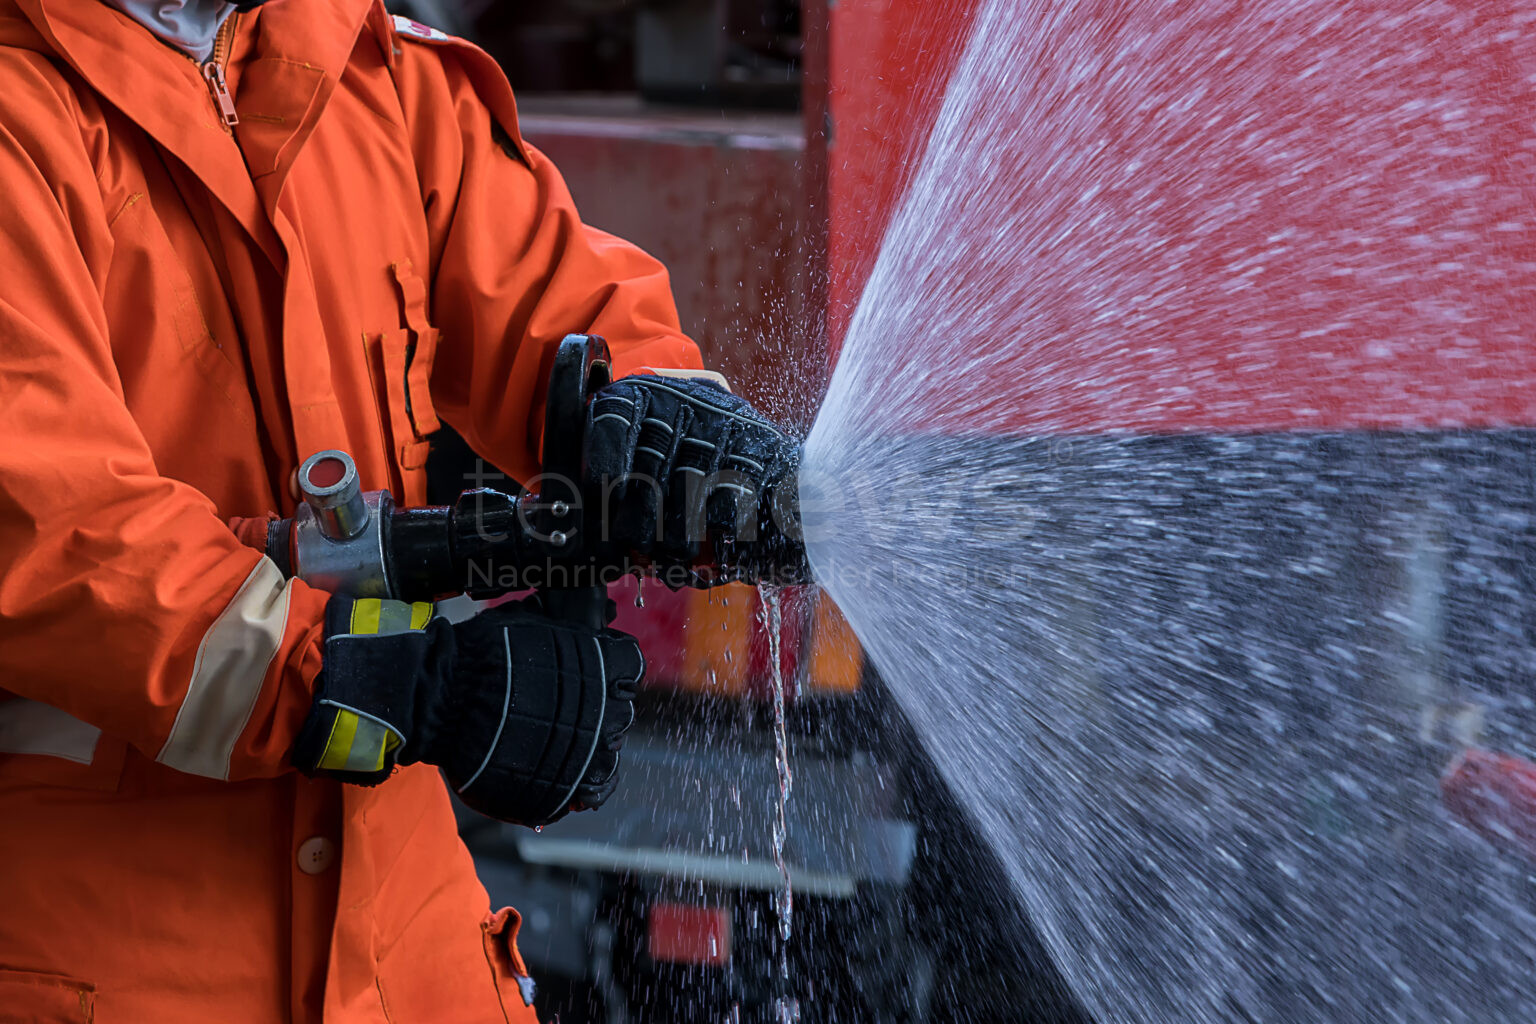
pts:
pixel 372 616
pixel 358 743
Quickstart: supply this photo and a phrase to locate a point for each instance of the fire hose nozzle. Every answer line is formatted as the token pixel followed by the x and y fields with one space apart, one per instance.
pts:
pixel 488 543
pixel 337 539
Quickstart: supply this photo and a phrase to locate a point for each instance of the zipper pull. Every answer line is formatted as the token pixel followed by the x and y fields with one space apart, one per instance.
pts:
pixel 213 74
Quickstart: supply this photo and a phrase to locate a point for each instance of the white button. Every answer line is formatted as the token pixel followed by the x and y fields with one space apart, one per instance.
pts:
pixel 316 854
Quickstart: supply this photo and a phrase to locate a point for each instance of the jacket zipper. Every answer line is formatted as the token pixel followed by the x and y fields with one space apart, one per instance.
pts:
pixel 213 73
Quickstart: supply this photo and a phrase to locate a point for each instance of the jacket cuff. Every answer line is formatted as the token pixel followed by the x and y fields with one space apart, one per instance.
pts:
pixel 252 531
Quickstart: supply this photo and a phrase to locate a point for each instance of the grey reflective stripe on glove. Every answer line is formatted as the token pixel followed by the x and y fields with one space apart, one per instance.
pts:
pixel 524 714
pixel 684 473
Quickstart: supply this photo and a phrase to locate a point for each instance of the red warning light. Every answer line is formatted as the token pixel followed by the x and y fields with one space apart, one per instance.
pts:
pixel 689 935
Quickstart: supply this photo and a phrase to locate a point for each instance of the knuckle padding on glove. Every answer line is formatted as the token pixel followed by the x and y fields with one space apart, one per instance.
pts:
pixel 628 460
pixel 671 497
pixel 624 660
pixel 625 668
pixel 613 428
pixel 680 525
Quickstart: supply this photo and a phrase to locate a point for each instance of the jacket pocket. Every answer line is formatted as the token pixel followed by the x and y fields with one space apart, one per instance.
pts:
pixel 513 985
pixel 33 997
pixel 400 361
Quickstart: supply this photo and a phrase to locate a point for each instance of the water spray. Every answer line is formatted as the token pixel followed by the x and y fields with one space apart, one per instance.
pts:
pixel 1227 308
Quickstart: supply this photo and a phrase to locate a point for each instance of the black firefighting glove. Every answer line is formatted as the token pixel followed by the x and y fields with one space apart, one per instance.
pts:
pixel 524 713
pixel 687 475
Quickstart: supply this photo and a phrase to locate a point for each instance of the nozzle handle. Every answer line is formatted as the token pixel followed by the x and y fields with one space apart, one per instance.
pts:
pixel 582 366
pixel 585 606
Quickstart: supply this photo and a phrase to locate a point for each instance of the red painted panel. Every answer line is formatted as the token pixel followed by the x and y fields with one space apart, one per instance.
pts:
pixel 718 198
pixel 1384 196
pixel 889 63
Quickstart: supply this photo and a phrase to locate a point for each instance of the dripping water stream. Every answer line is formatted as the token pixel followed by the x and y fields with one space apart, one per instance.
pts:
pixel 786 1007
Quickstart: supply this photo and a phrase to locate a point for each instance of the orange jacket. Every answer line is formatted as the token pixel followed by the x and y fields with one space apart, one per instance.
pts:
pixel 186 311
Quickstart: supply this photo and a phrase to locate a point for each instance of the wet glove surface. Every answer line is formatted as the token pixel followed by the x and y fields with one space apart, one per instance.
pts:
pixel 525 714
pixel 685 474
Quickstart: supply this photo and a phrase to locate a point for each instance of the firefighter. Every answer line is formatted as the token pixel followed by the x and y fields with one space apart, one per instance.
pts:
pixel 231 236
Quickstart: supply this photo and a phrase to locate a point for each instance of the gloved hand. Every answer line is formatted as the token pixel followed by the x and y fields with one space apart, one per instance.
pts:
pixel 686 474
pixel 524 713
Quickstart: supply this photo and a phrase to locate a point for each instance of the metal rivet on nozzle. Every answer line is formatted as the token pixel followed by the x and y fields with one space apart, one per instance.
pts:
pixel 558 539
pixel 559 509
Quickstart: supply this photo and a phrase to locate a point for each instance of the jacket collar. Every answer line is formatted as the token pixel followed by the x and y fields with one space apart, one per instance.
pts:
pixel 300 53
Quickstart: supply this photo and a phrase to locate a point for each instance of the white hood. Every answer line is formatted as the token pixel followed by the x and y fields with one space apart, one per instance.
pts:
pixel 188 25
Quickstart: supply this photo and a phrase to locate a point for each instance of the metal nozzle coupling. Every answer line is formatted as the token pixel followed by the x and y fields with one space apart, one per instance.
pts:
pixel 328 481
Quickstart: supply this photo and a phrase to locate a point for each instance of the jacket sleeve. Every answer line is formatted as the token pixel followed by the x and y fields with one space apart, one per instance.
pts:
pixel 125 601
pixel 515 269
